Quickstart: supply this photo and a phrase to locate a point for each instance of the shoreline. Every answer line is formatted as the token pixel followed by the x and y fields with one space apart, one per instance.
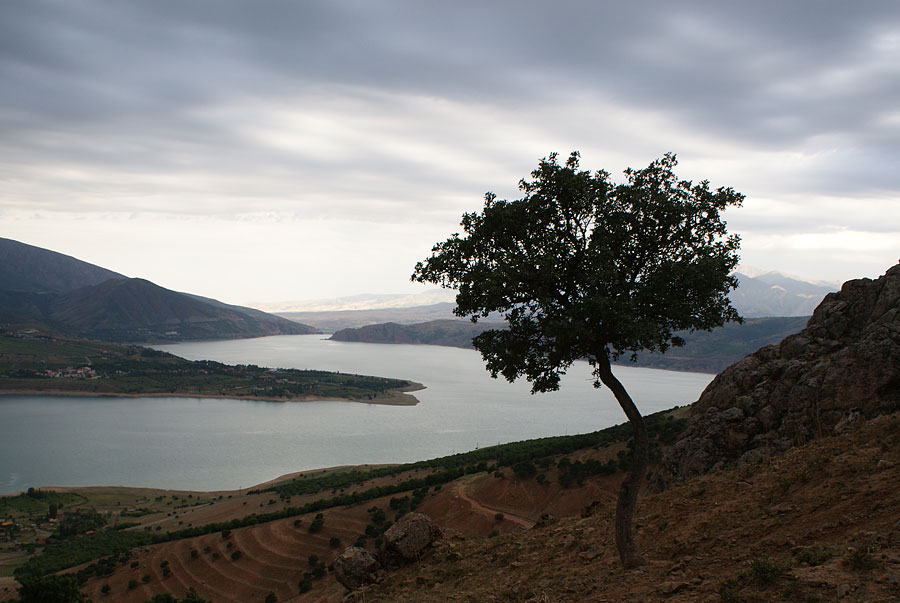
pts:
pixel 224 492
pixel 398 397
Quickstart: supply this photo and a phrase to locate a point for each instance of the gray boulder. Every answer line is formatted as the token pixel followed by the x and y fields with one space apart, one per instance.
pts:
pixel 357 567
pixel 410 536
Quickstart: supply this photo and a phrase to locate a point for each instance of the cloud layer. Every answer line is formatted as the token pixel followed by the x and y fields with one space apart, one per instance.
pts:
pixel 366 120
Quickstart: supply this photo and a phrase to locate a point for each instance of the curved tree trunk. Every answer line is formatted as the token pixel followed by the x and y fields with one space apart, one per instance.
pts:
pixel 628 493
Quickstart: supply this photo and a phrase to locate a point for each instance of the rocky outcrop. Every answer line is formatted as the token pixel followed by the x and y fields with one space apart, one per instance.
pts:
pixel 357 567
pixel 844 366
pixel 409 539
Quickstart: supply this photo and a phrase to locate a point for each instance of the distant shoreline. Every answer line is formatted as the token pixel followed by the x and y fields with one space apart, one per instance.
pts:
pixel 395 398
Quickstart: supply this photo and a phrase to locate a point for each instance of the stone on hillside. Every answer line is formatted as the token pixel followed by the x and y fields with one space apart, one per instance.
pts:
pixel 356 567
pixel 410 536
pixel 842 368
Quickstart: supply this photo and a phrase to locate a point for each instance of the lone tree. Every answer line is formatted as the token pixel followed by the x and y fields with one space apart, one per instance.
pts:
pixel 583 268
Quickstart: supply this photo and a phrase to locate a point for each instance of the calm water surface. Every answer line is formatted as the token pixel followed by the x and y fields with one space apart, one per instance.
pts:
pixel 204 444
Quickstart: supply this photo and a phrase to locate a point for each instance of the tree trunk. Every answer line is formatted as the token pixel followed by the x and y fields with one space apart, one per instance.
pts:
pixel 628 493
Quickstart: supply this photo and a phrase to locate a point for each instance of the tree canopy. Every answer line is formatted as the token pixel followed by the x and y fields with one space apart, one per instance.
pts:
pixel 581 267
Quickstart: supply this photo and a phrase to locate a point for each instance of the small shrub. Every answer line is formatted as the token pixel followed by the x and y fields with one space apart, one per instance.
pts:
pixel 728 591
pixel 305 584
pixel 765 572
pixel 236 555
pixel 814 556
pixel 312 560
pixel 498 516
pixel 334 542
pixel 861 558
pixel 132 584
pixel 493 534
pixel 145 578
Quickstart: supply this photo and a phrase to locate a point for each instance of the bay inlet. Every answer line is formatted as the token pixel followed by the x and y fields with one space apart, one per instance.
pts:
pixel 210 444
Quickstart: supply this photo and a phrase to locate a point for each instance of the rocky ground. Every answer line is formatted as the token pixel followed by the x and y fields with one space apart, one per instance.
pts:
pixel 818 523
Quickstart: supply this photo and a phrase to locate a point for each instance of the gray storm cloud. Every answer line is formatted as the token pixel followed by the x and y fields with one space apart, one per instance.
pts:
pixel 404 110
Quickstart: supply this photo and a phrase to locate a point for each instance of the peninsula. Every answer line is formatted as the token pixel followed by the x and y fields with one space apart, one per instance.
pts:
pixel 35 362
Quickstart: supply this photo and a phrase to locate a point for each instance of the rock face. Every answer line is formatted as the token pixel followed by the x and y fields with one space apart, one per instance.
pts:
pixel 845 365
pixel 410 536
pixel 356 567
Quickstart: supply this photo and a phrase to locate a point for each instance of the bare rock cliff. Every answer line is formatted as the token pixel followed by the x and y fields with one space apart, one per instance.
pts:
pixel 844 366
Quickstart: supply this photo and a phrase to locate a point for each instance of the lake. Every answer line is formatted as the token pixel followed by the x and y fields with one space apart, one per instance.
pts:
pixel 206 444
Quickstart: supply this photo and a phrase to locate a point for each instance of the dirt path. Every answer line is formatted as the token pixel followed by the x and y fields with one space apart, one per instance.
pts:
pixel 517 519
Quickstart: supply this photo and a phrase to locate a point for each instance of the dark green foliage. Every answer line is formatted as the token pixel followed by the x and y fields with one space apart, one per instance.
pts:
pixel 192 596
pixel 334 542
pixel 814 556
pixel 271 598
pixel 581 267
pixel 305 584
pixel 862 558
pixel 236 555
pixel 319 571
pixel 765 572
pixel 79 522
pixel 312 560
pixel 317 523
pixel 524 468
pixel 49 589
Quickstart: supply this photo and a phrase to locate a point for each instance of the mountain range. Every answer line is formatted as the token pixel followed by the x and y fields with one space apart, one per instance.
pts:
pixel 760 294
pixel 50 291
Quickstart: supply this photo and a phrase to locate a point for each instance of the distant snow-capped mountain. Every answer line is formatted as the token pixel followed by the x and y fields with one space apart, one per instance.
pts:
pixel 777 294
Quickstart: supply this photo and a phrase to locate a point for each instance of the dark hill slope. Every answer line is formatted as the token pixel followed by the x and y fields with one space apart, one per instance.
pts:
pixel 51 291
pixel 454 333
pixel 28 268
pixel 703 352
pixel 138 310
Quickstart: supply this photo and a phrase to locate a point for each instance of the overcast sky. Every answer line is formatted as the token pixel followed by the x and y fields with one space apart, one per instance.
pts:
pixel 268 151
